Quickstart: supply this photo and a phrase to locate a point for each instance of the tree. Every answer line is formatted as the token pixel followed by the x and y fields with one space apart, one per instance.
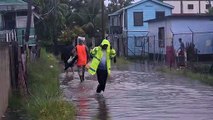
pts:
pixel 60 15
pixel 70 34
pixel 115 5
pixel 53 14
pixel 210 11
pixel 89 16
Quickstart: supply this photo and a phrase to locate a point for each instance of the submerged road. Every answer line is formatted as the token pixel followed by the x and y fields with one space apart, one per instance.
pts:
pixel 138 93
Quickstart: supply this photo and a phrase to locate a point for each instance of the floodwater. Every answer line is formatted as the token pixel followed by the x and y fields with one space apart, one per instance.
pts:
pixel 139 93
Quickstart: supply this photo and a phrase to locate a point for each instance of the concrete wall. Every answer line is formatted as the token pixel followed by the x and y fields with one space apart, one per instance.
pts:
pixel 177 6
pixel 4 77
pixel 153 31
pixel 202 37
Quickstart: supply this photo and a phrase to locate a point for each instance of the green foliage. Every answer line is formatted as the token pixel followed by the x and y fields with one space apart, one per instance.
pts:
pixel 210 11
pixel 121 61
pixel 205 78
pixel 53 18
pixel 191 52
pixel 115 5
pixel 64 15
pixel 14 101
pixel 46 102
pixel 70 34
pixel 90 16
pixel 59 17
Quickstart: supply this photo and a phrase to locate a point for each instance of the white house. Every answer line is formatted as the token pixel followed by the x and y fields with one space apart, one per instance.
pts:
pixel 197 29
pixel 189 6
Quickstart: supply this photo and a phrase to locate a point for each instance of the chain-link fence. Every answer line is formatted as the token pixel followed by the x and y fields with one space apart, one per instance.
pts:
pixel 142 46
pixel 202 43
pixel 8 36
pixel 130 46
pixel 159 49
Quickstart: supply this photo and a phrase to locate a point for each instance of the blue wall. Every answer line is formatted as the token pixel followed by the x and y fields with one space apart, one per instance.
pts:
pixel 149 9
pixel 203 41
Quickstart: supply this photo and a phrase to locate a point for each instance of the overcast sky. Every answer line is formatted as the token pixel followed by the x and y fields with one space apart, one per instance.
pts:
pixel 106 1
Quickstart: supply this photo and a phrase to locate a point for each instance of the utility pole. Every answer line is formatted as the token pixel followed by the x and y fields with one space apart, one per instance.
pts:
pixel 29 17
pixel 27 32
pixel 102 17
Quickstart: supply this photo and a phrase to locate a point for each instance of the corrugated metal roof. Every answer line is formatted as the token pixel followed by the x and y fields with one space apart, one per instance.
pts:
pixel 156 1
pixel 5 2
pixel 183 16
pixel 12 5
pixel 140 2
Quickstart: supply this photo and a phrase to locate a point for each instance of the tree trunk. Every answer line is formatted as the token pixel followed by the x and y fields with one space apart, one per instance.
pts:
pixel 102 16
pixel 54 35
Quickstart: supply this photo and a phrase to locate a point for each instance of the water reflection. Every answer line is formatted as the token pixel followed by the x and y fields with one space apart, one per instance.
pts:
pixel 102 110
pixel 133 95
pixel 82 103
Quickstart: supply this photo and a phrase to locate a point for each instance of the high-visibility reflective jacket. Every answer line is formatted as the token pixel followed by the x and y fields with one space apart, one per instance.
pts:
pixel 97 55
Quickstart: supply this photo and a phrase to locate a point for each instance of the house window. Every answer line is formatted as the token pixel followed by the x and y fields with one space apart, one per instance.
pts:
pixel 190 6
pixel 208 6
pixel 161 37
pixel 138 18
pixel 160 14
pixel 139 41
pixel 22 13
pixel 113 21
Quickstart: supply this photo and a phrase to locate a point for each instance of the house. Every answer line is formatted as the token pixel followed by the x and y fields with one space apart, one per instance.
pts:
pixel 128 23
pixel 189 6
pixel 13 20
pixel 196 29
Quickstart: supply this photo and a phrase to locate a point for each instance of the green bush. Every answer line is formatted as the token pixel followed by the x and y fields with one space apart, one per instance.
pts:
pixel 203 77
pixel 45 101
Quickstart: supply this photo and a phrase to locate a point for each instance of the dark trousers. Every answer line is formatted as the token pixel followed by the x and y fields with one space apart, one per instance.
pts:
pixel 102 78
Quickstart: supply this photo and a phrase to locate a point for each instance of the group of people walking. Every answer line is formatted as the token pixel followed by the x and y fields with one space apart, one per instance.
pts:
pixel 99 57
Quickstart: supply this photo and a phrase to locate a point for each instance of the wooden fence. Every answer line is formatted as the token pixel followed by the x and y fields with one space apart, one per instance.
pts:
pixel 13 69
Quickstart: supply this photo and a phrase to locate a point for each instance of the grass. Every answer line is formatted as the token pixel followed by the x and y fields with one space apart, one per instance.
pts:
pixel 127 60
pixel 205 78
pixel 121 61
pixel 45 101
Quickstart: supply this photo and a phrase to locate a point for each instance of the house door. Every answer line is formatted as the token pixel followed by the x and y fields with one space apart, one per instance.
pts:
pixel 161 37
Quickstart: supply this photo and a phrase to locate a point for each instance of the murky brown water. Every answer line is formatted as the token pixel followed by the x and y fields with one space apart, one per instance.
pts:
pixel 136 95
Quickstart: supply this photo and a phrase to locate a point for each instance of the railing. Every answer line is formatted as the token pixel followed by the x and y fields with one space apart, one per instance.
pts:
pixel 8 36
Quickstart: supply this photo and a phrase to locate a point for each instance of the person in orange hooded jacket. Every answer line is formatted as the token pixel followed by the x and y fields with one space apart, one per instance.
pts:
pixel 82 58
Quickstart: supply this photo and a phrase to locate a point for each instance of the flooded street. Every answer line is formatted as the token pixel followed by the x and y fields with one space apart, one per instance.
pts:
pixel 138 93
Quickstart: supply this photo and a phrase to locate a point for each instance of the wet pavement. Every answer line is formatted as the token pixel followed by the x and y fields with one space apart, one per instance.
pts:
pixel 139 93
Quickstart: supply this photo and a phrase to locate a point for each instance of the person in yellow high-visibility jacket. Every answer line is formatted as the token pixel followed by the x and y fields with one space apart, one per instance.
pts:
pixel 101 63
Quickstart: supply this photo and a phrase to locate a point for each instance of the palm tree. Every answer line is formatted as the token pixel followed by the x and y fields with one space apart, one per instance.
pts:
pixel 115 5
pixel 54 14
pixel 88 16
